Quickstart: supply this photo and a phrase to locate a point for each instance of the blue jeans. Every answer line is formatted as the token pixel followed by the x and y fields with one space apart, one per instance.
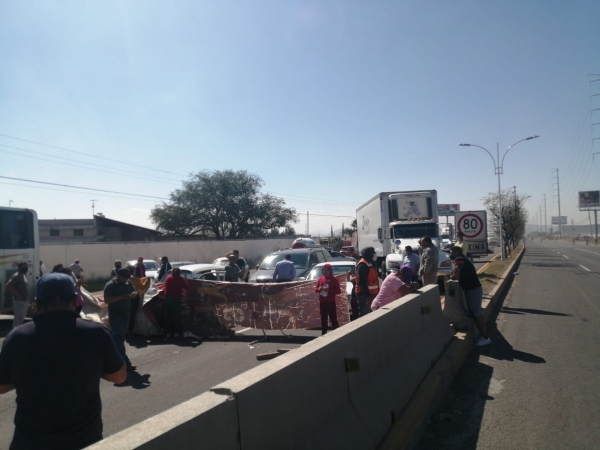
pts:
pixel 118 327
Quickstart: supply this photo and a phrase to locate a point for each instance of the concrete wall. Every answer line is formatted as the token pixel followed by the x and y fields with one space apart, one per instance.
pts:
pixel 98 259
pixel 306 399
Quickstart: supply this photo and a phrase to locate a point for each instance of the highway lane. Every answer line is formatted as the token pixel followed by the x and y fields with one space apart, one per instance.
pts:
pixel 537 385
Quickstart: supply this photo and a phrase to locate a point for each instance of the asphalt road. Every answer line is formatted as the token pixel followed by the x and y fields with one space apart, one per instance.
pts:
pixel 538 385
pixel 171 372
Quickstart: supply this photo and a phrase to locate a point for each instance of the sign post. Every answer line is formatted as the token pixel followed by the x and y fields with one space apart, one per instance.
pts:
pixel 473 224
pixel 590 201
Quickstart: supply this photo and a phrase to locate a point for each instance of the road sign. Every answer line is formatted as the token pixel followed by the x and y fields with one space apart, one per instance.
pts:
pixel 473 224
pixel 562 221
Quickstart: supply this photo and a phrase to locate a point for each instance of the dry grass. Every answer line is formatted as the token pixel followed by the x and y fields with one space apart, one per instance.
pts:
pixel 492 275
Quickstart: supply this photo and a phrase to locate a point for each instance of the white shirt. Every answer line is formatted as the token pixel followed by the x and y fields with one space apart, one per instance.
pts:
pixel 413 261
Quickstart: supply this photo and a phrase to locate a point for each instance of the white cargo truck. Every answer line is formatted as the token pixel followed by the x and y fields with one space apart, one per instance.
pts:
pixel 392 220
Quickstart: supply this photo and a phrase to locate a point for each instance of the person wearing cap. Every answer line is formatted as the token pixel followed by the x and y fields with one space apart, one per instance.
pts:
pixel 55 364
pixel 232 270
pixel 460 236
pixel 327 287
pixel 118 265
pixel 241 262
pixel 396 285
pixel 165 266
pixel 118 294
pixel 465 273
pixel 77 269
pixel 18 286
pixel 285 270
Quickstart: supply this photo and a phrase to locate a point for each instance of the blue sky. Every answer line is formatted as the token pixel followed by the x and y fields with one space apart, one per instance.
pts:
pixel 330 102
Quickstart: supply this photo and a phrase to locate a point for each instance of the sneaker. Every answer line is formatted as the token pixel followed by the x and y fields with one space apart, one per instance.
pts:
pixel 189 334
pixel 482 342
pixel 130 367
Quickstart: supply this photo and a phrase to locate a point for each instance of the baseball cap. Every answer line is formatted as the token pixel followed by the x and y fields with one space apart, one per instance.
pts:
pixel 55 285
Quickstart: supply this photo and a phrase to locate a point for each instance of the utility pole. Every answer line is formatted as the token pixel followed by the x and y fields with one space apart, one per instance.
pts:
pixel 93 206
pixel 557 183
pixel 540 218
pixel 545 215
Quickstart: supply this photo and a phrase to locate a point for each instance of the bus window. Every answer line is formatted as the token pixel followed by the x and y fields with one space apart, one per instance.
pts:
pixel 16 230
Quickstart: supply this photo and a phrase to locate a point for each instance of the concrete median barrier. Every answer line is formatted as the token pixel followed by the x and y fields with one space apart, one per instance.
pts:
pixel 343 390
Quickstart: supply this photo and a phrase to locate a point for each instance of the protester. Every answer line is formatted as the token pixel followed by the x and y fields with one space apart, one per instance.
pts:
pixel 43 270
pixel 140 270
pixel 328 287
pixel 77 269
pixel 113 272
pixel 367 281
pixel 460 242
pixel 465 273
pixel 174 288
pixel 232 270
pixel 165 266
pixel 57 268
pixel 285 270
pixel 18 286
pixel 413 261
pixel 351 278
pixel 429 261
pixel 396 285
pixel 241 262
pixel 55 364
pixel 118 294
pixel 78 283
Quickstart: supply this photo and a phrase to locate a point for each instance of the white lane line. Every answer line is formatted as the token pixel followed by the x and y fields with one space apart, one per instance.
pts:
pixel 242 331
pixel 566 256
pixel 587 251
pixel 583 267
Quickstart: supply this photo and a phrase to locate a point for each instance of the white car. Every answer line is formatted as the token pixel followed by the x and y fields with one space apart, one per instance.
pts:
pixel 150 266
pixel 211 272
pixel 221 261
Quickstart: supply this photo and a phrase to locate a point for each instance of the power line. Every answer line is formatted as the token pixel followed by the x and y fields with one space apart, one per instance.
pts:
pixel 86 154
pixel 81 187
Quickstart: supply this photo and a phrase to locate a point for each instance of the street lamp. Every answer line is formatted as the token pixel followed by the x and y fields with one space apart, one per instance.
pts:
pixel 499 169
pixel 10 202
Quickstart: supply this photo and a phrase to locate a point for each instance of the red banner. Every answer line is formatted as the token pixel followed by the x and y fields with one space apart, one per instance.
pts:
pixel 213 307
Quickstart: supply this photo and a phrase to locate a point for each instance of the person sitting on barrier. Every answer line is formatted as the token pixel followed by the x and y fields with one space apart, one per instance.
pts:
pixel 396 285
pixel 328 287
pixel 465 273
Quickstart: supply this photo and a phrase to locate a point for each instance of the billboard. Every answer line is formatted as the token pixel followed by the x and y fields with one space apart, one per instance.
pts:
pixel 563 220
pixel 589 199
pixel 448 209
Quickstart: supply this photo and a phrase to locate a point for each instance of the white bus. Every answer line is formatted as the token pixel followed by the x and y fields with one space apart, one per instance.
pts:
pixel 19 241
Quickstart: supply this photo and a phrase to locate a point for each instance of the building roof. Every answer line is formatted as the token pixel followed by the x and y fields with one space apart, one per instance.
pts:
pixel 100 220
pixel 66 222
pixel 109 222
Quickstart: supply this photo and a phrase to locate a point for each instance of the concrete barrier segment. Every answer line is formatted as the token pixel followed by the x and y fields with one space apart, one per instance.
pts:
pixel 206 421
pixel 410 425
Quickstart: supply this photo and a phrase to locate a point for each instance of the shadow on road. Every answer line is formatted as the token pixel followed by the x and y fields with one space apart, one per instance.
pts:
pixel 509 310
pixel 136 381
pixel 143 341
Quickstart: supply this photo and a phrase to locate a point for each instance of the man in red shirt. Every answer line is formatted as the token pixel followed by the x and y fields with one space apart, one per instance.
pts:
pixel 174 287
pixel 328 287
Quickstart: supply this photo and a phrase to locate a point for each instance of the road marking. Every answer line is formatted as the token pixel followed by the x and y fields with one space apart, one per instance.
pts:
pixel 587 251
pixel 566 256
pixel 242 331
pixel 583 267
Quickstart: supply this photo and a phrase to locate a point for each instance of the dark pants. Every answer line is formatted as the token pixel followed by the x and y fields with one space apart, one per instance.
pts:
pixel 172 311
pixel 364 306
pixel 132 312
pixel 354 306
pixel 78 310
pixel 118 326
pixel 328 310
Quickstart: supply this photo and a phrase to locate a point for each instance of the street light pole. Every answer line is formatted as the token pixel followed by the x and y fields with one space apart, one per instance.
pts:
pixel 499 169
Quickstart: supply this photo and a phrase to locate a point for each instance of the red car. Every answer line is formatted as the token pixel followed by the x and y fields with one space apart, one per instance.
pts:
pixel 349 251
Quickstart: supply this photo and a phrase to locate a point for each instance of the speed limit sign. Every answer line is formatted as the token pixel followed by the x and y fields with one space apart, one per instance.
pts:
pixel 473 224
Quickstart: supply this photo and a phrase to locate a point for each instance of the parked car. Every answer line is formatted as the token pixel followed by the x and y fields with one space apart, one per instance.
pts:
pixel 221 261
pixel 181 263
pixel 349 251
pixel 150 266
pixel 212 272
pixel 338 256
pixel 304 260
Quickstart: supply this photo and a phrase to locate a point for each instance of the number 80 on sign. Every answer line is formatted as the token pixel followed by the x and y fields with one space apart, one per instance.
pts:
pixel 471 224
